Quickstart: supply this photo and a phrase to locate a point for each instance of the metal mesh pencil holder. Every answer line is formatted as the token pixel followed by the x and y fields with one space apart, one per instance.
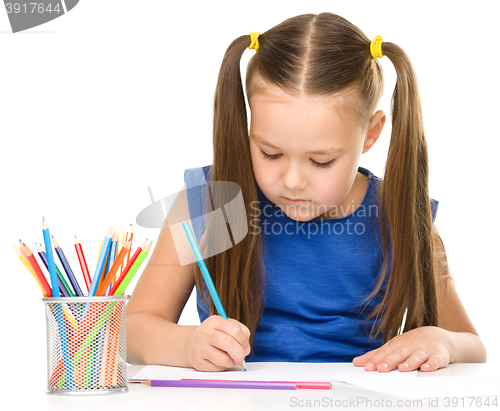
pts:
pixel 86 345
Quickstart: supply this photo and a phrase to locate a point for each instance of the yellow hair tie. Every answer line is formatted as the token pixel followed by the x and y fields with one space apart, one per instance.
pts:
pixel 376 47
pixel 254 44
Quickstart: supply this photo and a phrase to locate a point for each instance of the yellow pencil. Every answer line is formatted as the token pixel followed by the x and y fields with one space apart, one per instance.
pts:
pixel 30 269
pixel 130 236
pixel 100 248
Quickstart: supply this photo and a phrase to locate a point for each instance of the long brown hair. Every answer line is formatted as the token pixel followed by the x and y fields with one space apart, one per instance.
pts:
pixel 323 55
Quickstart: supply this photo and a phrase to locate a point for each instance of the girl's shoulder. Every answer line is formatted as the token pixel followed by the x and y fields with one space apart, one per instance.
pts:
pixel 197 176
pixel 372 190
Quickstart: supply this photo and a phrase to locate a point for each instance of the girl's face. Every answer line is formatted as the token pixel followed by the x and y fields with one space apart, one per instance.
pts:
pixel 307 149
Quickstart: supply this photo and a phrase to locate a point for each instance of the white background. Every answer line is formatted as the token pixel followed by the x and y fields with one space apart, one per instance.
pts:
pixel 116 96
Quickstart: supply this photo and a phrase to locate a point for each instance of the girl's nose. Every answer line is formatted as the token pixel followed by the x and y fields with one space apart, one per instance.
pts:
pixel 293 178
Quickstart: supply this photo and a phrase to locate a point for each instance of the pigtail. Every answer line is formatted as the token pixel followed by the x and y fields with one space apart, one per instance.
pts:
pixel 234 271
pixel 406 211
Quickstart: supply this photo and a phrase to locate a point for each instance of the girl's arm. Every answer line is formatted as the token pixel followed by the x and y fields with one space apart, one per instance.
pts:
pixel 153 336
pixel 430 348
pixel 157 301
pixel 452 316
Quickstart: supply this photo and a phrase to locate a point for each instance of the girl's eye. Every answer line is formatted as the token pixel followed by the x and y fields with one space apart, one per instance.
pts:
pixel 269 156
pixel 323 165
pixel 315 163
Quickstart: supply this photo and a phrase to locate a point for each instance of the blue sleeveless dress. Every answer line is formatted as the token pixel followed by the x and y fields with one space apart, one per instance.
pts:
pixel 317 274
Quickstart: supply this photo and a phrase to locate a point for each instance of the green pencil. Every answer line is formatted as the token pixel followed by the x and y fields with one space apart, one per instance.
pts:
pixel 126 281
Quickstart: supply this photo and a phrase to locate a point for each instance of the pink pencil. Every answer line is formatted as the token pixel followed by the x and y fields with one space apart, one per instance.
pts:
pixel 307 385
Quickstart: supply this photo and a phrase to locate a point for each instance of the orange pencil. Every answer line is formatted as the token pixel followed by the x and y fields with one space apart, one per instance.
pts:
pixel 121 240
pixel 111 274
pixel 26 252
pixel 129 237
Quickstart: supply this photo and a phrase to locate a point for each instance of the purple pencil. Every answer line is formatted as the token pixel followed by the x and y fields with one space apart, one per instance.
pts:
pixel 67 268
pixel 62 289
pixel 265 385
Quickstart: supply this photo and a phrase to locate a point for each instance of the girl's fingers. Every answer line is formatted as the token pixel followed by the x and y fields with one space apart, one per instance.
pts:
pixel 435 362
pixel 207 365
pixel 219 358
pixel 361 360
pixel 238 332
pixel 234 352
pixel 413 361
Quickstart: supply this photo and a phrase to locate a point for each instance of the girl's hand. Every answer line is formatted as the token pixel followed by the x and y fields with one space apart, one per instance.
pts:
pixel 218 344
pixel 429 348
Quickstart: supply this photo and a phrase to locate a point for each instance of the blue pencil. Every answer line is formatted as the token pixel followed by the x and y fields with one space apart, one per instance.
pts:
pixel 204 270
pixel 64 289
pixel 50 259
pixel 112 252
pixel 206 275
pixel 67 268
pixel 100 263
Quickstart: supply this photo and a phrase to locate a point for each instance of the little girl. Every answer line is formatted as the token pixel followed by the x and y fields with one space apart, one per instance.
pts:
pixel 337 264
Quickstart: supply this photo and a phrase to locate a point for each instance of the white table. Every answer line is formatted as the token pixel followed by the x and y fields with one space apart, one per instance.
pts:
pixel 142 397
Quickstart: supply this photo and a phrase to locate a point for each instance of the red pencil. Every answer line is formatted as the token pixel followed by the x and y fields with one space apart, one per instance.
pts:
pixel 36 268
pixel 83 263
pixel 127 268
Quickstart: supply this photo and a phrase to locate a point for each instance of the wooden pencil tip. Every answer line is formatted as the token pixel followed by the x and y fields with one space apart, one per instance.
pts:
pixel 110 232
pixel 146 383
pixel 76 240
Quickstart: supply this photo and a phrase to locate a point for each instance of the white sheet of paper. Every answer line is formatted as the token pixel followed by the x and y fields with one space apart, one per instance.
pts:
pixel 276 371
pixel 459 389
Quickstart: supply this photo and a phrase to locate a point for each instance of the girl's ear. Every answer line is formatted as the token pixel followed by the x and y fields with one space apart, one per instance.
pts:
pixel 374 130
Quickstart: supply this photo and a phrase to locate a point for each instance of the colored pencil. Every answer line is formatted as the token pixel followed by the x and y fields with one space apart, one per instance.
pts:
pixel 23 260
pixel 67 268
pixel 103 272
pixel 83 263
pixel 130 236
pixel 206 274
pixel 305 385
pixel 30 269
pixel 121 242
pixel 115 343
pixel 111 274
pixel 50 258
pixel 26 252
pixel 100 263
pixel 130 275
pixel 112 253
pixel 64 288
pixel 100 248
pixel 127 268
pixel 266 385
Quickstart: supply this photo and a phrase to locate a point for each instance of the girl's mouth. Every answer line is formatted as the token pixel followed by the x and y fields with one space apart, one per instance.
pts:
pixel 296 201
